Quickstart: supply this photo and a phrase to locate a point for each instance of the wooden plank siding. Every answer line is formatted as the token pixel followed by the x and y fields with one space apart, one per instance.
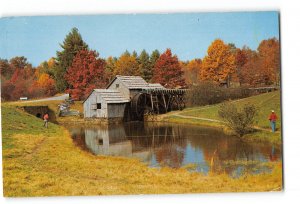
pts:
pixel 116 97
pixel 103 103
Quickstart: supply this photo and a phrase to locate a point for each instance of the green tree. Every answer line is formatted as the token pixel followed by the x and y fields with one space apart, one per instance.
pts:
pixel 72 44
pixel 145 66
pixel 240 120
pixel 153 58
pixel 134 54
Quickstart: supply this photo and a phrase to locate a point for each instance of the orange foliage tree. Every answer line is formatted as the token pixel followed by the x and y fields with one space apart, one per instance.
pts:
pixel 192 71
pixel 241 59
pixel 167 71
pixel 110 67
pixel 46 83
pixel 219 63
pixel 269 53
pixel 85 74
pixel 127 65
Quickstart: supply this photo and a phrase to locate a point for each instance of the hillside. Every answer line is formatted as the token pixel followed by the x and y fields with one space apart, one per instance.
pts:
pixel 208 115
pixel 45 162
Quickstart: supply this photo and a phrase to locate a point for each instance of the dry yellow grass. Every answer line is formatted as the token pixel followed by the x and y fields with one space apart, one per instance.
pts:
pixel 40 162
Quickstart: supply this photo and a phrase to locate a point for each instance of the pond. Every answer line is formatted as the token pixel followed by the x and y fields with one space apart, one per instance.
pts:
pixel 195 148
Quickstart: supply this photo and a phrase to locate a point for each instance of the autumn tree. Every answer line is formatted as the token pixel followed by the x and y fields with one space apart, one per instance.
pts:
pixel 192 71
pixel 127 64
pixel 20 82
pixel 240 59
pixel 145 66
pixel 19 62
pixel 110 67
pixel 46 67
pixel 167 71
pixel 72 44
pixel 219 63
pixel 251 72
pixel 85 74
pixel 269 53
pixel 45 82
pixel 5 69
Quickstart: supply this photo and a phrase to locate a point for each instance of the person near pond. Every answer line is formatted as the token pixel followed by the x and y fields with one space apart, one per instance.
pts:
pixel 272 119
pixel 46 118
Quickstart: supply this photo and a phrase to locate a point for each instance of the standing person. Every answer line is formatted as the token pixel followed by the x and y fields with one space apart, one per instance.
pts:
pixel 46 117
pixel 272 119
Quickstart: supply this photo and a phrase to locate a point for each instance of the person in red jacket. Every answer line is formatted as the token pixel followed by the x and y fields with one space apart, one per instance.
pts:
pixel 46 117
pixel 272 119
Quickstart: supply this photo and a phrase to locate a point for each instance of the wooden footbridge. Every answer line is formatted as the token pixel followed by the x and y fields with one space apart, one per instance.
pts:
pixel 157 101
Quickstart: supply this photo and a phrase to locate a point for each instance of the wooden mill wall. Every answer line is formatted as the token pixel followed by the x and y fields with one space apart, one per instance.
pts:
pixel 122 88
pixel 90 107
pixel 114 110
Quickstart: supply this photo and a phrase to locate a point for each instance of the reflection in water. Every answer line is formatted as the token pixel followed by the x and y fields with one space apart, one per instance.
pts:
pixel 197 148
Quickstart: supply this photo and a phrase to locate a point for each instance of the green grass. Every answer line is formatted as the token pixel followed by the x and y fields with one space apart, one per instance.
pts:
pixel 45 162
pixel 264 102
pixel 53 106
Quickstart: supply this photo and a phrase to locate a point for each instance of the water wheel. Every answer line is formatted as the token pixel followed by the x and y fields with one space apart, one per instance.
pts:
pixel 138 105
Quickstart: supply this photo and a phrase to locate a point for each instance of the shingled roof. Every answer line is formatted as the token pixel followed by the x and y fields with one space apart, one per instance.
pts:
pixel 131 82
pixel 135 82
pixel 156 86
pixel 110 95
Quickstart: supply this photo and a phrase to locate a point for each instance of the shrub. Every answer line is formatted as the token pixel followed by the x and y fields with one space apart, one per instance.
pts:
pixel 239 120
pixel 207 93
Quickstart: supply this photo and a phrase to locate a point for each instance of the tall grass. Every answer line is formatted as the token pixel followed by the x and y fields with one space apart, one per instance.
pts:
pixel 45 162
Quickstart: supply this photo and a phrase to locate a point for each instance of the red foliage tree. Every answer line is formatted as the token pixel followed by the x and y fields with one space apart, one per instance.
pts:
pixel 167 71
pixel 85 74
pixel 251 72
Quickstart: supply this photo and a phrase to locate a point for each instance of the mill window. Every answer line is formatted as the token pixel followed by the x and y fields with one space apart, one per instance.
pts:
pixel 117 85
pixel 98 105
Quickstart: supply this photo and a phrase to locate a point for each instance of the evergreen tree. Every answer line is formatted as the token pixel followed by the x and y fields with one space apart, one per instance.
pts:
pixel 153 58
pixel 72 44
pixel 134 54
pixel 145 66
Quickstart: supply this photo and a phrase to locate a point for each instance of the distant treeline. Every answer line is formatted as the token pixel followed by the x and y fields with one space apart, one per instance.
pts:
pixel 77 69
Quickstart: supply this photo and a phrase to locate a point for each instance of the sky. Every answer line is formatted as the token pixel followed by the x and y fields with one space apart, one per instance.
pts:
pixel 188 35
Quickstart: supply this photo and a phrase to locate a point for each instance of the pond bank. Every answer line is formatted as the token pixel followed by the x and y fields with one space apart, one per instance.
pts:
pixel 260 135
pixel 208 116
pixel 45 162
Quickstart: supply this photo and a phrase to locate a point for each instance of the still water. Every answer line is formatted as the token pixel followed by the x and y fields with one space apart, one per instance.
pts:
pixel 196 148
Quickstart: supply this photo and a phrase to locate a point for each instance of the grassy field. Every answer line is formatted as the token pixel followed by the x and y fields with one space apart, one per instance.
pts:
pixel 264 102
pixel 53 106
pixel 45 162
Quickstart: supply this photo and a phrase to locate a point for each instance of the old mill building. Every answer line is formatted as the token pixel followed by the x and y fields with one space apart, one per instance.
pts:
pixel 129 98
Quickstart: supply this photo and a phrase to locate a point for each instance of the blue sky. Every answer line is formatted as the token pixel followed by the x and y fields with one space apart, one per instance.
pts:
pixel 187 34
